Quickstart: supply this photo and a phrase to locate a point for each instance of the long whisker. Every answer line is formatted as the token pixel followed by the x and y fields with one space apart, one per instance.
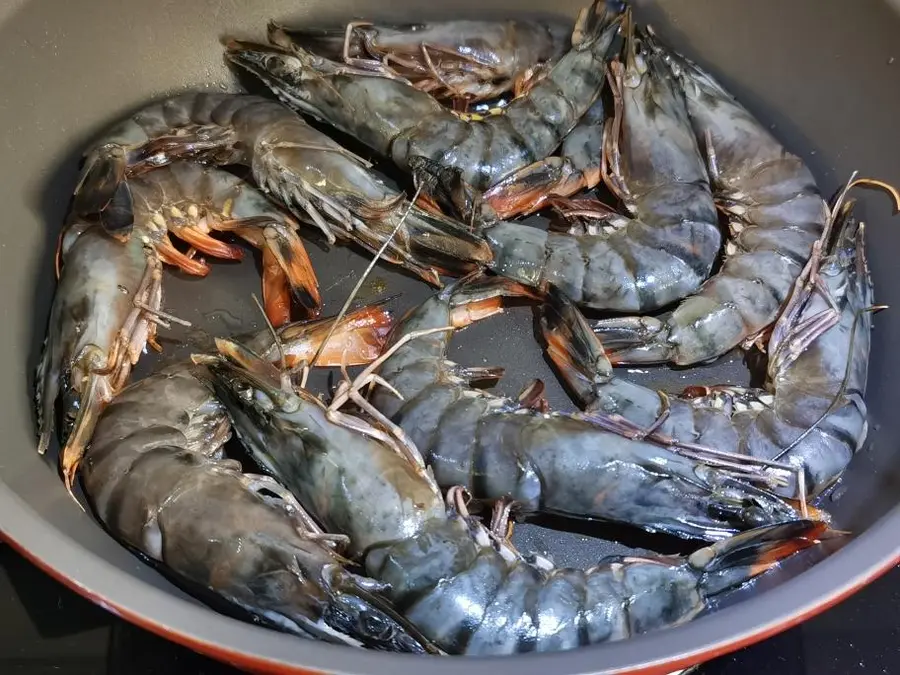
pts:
pixel 845 382
pixel 876 184
pixel 364 276
pixel 837 203
pixel 285 376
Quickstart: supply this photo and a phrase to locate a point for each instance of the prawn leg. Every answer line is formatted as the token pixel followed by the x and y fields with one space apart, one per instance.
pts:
pixel 275 290
pixel 103 374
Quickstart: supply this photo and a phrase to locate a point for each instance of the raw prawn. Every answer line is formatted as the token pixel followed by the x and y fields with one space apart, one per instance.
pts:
pixel 463 61
pixel 303 169
pixel 109 296
pixel 461 585
pixel 810 414
pixel 156 478
pixel 775 213
pixel 105 310
pixel 651 161
pixel 397 120
pixel 558 463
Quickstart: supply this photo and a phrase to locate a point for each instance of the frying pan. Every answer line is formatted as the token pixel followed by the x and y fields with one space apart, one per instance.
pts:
pixel 824 74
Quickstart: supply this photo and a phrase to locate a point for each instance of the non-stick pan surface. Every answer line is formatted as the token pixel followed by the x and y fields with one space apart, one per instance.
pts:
pixel 823 73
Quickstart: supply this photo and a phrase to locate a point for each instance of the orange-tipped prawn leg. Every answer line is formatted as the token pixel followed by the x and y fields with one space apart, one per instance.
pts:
pixel 193 202
pixel 287 269
pixel 276 290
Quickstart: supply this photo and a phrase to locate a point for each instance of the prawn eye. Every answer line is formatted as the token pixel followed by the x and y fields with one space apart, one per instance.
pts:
pixel 375 626
pixel 282 65
pixel 263 400
pixel 755 514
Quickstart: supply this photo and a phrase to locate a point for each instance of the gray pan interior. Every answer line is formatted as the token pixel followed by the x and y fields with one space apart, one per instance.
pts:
pixel 825 74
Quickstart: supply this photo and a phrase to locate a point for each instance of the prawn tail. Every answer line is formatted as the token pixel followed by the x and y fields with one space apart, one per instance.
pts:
pixel 275 291
pixel 529 189
pixel 444 244
pixel 635 339
pixel 445 188
pixel 478 296
pixel 327 42
pixel 357 340
pixel 734 561
pixel 596 21
pixel 576 352
pixel 286 249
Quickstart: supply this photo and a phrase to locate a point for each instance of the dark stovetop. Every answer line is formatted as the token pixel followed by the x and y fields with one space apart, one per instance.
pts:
pixel 45 628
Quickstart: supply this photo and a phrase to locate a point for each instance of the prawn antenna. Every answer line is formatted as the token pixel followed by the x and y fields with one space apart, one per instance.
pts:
pixel 875 184
pixel 285 379
pixel 365 275
pixel 838 397
pixel 842 389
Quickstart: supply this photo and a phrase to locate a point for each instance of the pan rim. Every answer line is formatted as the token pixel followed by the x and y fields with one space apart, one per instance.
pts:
pixel 267 651
pixel 652 654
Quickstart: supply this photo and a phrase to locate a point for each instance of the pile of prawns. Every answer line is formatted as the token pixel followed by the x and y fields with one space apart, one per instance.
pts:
pixel 358 529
